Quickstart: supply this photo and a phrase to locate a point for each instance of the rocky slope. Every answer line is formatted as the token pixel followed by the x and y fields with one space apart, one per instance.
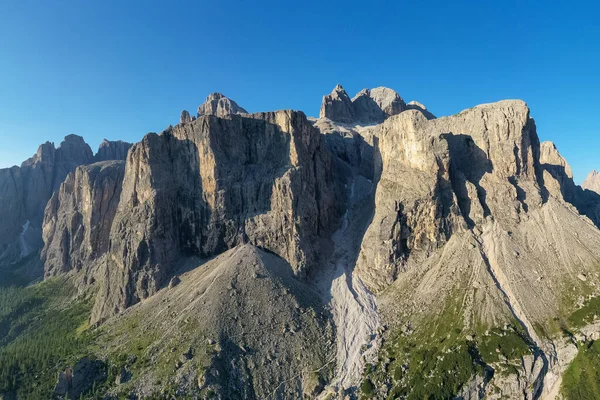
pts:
pixel 375 252
pixel 239 325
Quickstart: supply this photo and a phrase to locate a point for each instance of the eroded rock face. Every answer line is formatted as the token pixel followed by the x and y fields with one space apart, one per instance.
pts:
pixel 220 106
pixel 26 190
pixel 204 187
pixel 447 174
pixel 592 182
pixel 79 217
pixel 112 150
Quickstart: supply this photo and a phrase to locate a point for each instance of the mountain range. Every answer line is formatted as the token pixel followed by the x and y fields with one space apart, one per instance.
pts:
pixel 374 252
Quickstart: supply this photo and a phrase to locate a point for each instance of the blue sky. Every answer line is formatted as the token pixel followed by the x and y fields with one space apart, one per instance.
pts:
pixel 120 69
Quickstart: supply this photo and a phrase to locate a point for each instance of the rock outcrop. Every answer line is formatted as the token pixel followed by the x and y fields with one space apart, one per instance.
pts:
pixel 203 187
pixel 375 105
pixel 337 106
pixel 367 107
pixel 592 182
pixel 26 190
pixel 218 105
pixel 415 105
pixel 79 216
pixel 185 117
pixel 79 380
pixel 112 150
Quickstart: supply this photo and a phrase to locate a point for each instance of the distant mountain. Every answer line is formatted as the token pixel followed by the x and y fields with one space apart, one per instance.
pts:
pixel 25 191
pixel 592 182
pixel 374 252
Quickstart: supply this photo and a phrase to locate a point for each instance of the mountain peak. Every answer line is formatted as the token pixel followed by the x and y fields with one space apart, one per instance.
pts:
pixel 592 182
pixel 368 106
pixel 219 105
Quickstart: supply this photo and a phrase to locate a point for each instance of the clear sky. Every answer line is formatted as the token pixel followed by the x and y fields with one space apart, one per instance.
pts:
pixel 119 69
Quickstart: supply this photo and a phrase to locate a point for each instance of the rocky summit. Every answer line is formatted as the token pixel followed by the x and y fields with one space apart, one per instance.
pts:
pixel 375 252
pixel 592 182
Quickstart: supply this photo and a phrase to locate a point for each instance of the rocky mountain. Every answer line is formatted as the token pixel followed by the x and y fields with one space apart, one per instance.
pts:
pixel 374 252
pixel 592 182
pixel 26 190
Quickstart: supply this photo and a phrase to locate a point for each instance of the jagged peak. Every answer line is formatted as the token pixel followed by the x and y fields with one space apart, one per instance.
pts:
pixel 592 181
pixel 338 88
pixel 367 106
pixel 185 117
pixel 219 105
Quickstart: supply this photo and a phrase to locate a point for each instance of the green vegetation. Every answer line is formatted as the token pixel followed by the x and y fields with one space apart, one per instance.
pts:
pixel 42 330
pixel 437 357
pixel 511 343
pixel 581 380
pixel 586 314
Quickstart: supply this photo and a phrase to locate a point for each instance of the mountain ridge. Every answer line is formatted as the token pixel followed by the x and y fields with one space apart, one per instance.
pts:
pixel 462 230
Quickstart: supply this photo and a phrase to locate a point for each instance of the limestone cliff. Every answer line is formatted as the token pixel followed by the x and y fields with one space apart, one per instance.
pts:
pixel 203 187
pixel 79 216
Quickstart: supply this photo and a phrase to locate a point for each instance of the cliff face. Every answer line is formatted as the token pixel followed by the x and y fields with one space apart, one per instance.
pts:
pixel 203 187
pixel 112 150
pixel 443 175
pixel 26 190
pixel 79 216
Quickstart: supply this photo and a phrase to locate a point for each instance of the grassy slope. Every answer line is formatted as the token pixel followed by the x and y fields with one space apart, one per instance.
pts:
pixel 436 358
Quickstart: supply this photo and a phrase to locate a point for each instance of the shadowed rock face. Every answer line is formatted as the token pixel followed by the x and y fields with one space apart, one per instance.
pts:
pixel 185 117
pixel 204 187
pixel 558 182
pixel 79 217
pixel 112 150
pixel 26 190
pixel 367 107
pixel 220 106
